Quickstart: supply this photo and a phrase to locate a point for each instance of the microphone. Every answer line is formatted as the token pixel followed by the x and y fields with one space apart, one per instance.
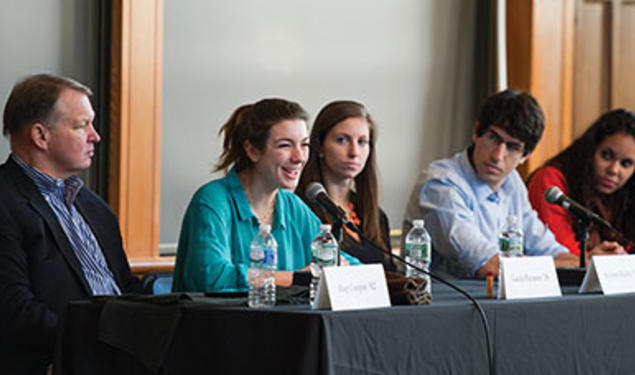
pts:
pixel 554 195
pixel 316 192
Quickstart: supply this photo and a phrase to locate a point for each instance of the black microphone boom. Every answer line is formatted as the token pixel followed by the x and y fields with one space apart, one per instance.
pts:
pixel 316 192
pixel 554 195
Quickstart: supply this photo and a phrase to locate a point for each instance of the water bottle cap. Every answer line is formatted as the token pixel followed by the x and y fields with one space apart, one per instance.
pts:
pixel 265 228
pixel 325 227
pixel 418 223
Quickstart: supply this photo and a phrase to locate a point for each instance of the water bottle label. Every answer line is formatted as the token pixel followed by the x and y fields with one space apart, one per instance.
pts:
pixel 510 245
pixel 326 254
pixel 416 251
pixel 411 250
pixel 425 251
pixel 516 245
pixel 256 254
pixel 270 257
pixel 503 244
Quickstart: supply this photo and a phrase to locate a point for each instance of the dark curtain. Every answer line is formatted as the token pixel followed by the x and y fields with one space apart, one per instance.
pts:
pixel 97 178
pixel 485 52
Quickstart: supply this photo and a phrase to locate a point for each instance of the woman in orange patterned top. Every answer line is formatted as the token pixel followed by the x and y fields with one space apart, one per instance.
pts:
pixel 343 159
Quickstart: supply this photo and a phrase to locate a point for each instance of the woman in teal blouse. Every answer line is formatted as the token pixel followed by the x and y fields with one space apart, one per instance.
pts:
pixel 265 148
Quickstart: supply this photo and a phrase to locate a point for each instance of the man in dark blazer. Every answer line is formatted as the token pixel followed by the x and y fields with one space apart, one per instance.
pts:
pixel 58 240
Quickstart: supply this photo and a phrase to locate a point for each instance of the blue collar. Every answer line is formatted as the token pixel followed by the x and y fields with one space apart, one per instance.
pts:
pixel 482 191
pixel 48 185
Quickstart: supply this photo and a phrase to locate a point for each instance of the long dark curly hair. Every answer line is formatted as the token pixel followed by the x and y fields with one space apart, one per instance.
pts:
pixel 576 163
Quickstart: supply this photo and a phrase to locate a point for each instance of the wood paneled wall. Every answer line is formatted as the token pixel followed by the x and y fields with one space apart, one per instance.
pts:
pixel 605 57
pixel 539 62
pixel 576 58
pixel 135 127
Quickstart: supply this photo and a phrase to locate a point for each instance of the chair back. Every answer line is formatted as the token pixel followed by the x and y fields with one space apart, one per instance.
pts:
pixel 157 283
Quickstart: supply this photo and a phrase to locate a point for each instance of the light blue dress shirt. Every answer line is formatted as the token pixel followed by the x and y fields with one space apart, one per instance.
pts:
pixel 464 216
pixel 217 230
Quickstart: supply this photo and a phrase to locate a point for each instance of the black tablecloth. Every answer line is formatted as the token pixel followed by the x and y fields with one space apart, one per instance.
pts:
pixel 587 334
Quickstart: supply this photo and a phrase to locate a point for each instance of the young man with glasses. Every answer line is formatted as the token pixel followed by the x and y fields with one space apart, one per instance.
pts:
pixel 465 200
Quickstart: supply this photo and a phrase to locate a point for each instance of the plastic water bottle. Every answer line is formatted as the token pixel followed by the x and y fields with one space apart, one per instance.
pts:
pixel 263 258
pixel 323 254
pixel 510 241
pixel 418 251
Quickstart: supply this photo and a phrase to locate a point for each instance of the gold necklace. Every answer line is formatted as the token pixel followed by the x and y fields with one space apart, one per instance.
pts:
pixel 264 218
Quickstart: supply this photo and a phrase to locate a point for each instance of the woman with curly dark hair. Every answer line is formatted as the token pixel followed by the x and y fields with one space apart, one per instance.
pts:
pixel 596 171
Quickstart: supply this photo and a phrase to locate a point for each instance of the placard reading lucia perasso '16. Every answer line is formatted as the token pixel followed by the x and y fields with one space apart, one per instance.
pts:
pixel 528 277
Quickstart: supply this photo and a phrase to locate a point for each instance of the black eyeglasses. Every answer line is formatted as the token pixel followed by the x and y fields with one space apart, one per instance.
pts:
pixel 512 148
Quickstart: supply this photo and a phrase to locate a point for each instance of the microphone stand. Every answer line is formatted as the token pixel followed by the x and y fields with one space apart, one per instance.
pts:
pixel 338 225
pixel 582 235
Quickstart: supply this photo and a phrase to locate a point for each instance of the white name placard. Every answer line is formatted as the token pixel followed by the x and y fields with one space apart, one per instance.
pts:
pixel 351 288
pixel 528 277
pixel 610 274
